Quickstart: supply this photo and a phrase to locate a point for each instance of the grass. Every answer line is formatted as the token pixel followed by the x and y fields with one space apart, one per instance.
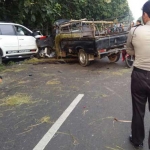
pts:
pixel 36 60
pixel 10 63
pixel 23 82
pixel 121 72
pixel 104 95
pixel 11 67
pixel 2 67
pixel 16 99
pixel 53 82
pixel 47 75
pixel 14 69
pixel 18 70
pixel 49 60
pixel 97 95
pixel 45 119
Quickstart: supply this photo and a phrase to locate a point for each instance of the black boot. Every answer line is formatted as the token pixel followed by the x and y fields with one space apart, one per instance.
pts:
pixel 135 145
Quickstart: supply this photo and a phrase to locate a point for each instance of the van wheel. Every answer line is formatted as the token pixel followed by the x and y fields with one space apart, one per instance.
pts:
pixel 83 58
pixel 114 57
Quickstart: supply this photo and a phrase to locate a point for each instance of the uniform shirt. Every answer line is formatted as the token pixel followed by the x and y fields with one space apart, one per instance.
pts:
pixel 140 46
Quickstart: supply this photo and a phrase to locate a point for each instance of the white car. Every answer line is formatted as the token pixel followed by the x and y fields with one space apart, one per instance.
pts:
pixel 16 41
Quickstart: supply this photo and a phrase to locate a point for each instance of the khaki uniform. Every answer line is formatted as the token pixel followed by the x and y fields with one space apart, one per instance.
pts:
pixel 138 44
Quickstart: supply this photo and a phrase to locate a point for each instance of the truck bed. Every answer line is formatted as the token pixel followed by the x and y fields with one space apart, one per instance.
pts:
pixel 111 41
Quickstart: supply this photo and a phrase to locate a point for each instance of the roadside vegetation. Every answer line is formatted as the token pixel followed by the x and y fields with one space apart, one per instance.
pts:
pixel 41 14
pixel 2 67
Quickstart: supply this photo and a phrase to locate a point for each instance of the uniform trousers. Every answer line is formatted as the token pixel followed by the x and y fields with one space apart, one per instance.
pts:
pixel 140 90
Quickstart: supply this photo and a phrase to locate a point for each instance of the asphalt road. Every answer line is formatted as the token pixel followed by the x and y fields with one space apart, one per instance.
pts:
pixel 33 97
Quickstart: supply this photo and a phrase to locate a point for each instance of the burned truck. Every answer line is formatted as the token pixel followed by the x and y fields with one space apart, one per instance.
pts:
pixel 88 40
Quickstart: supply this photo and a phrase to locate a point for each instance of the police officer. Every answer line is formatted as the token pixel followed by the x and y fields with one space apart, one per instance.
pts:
pixel 138 44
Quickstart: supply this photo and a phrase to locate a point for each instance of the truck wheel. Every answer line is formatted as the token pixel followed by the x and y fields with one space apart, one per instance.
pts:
pixel 83 58
pixel 114 57
pixel 129 61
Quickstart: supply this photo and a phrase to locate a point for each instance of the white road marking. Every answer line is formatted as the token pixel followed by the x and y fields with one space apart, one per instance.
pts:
pixel 51 132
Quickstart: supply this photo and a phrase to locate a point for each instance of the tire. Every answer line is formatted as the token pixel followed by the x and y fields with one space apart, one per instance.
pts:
pixel 114 57
pixel 129 61
pixel 40 53
pixel 83 58
pixel 49 50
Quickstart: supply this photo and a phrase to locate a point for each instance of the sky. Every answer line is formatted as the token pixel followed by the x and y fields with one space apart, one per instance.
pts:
pixel 136 6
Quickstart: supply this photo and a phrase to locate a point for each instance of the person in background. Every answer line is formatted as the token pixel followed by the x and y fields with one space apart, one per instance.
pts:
pixel 138 44
pixel 121 27
pixel 138 22
pixel 132 24
pixel 19 31
pixel 115 27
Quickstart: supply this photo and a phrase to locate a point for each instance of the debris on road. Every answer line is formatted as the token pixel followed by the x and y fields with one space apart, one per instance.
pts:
pixel 114 119
pixel 52 82
pixel 101 120
pixel 121 120
pixel 45 119
pixel 84 112
pixel 16 99
pixel 74 139
pixel 117 148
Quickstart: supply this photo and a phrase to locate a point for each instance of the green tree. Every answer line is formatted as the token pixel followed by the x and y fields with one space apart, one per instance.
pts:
pixel 42 13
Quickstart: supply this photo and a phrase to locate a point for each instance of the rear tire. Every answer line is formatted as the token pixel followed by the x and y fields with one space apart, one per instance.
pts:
pixel 114 57
pixel 83 58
